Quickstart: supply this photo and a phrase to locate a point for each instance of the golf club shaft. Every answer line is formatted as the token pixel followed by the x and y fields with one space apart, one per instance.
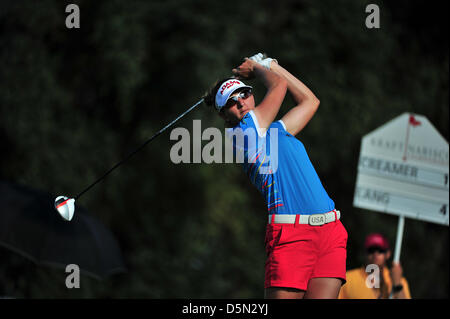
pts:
pixel 138 149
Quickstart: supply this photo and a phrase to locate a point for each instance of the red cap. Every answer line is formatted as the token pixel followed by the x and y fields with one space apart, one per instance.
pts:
pixel 376 240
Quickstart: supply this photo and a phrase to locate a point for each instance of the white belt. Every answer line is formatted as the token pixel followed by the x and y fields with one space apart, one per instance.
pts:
pixel 313 220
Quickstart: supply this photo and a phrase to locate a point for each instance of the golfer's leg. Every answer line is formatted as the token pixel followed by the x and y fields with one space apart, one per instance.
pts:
pixel 323 288
pixel 283 293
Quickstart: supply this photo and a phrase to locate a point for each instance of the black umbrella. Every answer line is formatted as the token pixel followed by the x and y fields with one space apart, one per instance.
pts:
pixel 30 226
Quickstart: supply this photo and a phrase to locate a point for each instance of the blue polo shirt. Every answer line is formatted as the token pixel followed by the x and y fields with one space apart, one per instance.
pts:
pixel 277 164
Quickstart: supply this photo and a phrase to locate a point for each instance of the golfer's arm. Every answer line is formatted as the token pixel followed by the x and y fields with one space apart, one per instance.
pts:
pixel 276 85
pixel 307 103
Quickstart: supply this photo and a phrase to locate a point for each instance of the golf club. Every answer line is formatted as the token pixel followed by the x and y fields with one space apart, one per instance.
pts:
pixel 66 205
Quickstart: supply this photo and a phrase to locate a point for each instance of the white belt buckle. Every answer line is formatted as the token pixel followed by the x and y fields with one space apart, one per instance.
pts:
pixel 317 219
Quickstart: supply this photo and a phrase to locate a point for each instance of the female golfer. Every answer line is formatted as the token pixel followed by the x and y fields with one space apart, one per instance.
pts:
pixel 305 241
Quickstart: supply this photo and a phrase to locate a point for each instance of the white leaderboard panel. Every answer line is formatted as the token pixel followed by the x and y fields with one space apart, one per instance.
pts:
pixel 415 192
pixel 403 170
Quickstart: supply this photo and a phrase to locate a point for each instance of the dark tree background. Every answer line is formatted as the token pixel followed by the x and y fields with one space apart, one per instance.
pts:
pixel 75 101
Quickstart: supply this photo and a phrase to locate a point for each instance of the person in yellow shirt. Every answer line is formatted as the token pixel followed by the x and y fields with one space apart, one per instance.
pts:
pixel 375 280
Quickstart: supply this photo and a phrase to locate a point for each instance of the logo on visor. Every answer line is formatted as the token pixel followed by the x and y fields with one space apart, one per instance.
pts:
pixel 228 85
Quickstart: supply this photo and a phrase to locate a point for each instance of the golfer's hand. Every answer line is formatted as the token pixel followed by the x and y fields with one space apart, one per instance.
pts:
pixel 396 273
pixel 246 70
pixel 264 60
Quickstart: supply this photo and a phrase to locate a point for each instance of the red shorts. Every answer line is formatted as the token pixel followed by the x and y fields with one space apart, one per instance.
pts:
pixel 298 252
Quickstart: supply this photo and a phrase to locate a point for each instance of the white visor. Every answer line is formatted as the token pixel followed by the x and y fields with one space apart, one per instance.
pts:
pixel 226 89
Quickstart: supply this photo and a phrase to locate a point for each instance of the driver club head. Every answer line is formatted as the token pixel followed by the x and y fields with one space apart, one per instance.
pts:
pixel 65 207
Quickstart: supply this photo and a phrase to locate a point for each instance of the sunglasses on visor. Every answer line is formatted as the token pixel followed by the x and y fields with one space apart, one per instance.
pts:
pixel 243 95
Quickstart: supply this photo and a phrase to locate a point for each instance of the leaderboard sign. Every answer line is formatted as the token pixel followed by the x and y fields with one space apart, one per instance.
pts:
pixel 403 170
